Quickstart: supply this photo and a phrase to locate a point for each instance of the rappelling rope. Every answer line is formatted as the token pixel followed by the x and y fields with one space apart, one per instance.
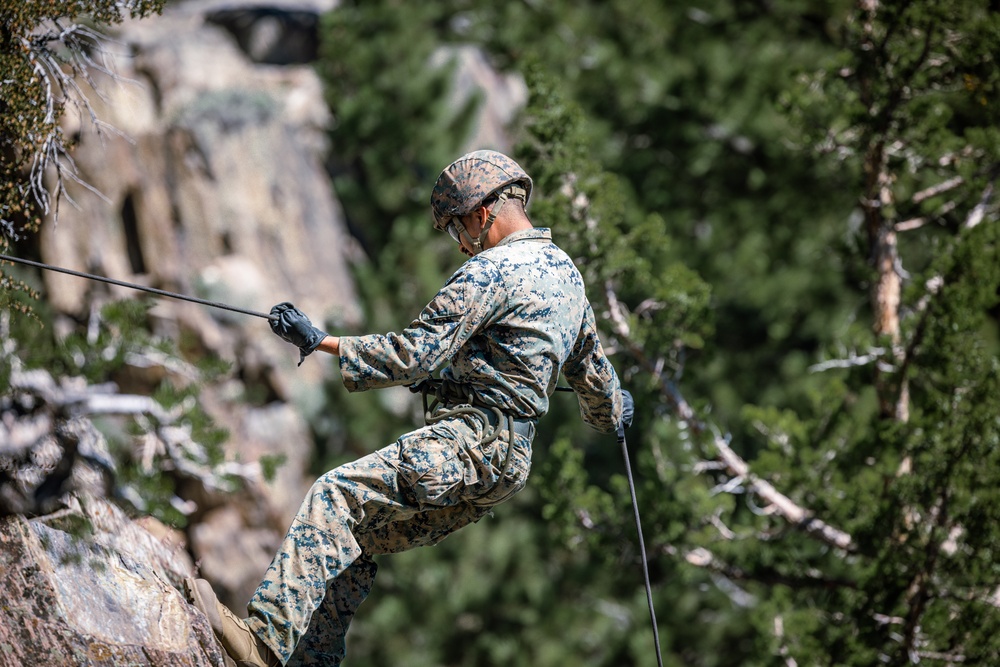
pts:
pixel 642 544
pixel 151 290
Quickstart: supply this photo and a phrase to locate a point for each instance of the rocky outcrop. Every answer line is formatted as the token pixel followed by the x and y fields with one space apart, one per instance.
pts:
pixel 273 33
pixel 51 453
pixel 207 178
pixel 212 184
pixel 87 586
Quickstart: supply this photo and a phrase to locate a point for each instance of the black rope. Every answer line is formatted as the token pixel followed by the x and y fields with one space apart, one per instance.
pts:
pixel 151 290
pixel 642 542
pixel 642 545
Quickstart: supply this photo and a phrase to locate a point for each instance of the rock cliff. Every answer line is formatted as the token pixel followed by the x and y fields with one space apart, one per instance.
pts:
pixel 87 586
pixel 212 184
pixel 204 176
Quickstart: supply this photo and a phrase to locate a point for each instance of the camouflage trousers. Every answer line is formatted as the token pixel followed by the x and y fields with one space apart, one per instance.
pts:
pixel 415 492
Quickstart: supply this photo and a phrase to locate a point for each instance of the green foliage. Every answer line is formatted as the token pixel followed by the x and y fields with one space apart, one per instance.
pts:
pixel 40 48
pixel 395 128
pixel 378 64
pixel 16 295
pixel 596 220
pixel 269 464
pixel 724 176
pixel 148 478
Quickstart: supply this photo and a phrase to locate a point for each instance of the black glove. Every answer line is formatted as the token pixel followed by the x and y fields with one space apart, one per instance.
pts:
pixel 293 326
pixel 628 412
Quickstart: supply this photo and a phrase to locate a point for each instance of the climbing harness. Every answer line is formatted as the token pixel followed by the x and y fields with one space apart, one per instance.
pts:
pixel 444 399
pixel 151 290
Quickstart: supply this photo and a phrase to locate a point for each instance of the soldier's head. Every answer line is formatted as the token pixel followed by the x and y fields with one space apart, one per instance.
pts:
pixel 478 180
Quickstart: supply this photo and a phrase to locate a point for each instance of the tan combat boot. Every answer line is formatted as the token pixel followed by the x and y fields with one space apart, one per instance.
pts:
pixel 240 642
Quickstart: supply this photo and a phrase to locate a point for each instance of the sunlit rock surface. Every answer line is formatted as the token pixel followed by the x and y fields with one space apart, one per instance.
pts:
pixel 89 586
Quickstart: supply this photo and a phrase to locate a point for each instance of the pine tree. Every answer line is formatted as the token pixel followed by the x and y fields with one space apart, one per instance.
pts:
pixel 785 214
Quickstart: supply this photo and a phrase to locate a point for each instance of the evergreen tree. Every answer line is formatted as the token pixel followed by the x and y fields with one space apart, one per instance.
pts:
pixel 43 46
pixel 824 497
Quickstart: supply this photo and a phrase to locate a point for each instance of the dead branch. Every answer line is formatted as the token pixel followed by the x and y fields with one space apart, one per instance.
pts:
pixel 874 354
pixel 779 633
pixel 910 225
pixel 734 464
pixel 791 511
pixel 61 79
pixel 704 558
pixel 940 188
pixel 978 212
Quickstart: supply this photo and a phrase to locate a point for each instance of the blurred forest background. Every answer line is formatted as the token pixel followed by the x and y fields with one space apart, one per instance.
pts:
pixel 786 214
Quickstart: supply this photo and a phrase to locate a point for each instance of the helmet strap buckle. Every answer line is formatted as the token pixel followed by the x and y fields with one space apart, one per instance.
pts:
pixel 476 243
pixel 494 212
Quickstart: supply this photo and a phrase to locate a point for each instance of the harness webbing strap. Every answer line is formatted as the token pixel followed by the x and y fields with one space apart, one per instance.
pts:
pixel 450 399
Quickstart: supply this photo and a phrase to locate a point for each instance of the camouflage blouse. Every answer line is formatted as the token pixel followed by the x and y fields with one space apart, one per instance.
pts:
pixel 507 323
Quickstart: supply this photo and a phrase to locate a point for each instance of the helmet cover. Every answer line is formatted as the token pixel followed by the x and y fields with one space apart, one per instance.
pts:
pixel 470 180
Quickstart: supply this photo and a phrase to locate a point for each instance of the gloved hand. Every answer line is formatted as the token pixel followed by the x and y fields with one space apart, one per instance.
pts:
pixel 628 412
pixel 293 326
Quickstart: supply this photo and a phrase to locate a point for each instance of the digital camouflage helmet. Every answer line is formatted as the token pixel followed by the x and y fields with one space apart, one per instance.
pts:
pixel 470 181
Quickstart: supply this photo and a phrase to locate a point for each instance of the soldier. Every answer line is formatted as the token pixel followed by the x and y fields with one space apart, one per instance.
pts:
pixel 505 326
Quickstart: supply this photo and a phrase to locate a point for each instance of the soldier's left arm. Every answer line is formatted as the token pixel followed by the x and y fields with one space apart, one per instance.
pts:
pixel 593 378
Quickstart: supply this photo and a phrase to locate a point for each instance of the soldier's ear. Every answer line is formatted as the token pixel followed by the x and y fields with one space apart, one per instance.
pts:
pixel 475 220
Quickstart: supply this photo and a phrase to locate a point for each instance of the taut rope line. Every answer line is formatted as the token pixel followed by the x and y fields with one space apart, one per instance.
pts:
pixel 143 288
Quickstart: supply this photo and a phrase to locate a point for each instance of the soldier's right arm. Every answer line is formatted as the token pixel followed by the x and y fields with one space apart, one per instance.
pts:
pixel 468 302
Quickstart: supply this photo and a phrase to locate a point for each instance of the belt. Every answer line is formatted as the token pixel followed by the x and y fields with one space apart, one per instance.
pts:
pixel 450 400
pixel 522 427
pixel 447 395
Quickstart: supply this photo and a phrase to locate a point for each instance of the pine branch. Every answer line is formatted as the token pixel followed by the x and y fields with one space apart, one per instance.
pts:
pixel 734 464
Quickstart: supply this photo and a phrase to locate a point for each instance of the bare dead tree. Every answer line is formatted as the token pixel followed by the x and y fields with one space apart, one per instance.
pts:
pixel 65 57
pixel 52 55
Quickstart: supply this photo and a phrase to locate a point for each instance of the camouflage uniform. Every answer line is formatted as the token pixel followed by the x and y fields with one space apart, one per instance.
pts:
pixel 507 323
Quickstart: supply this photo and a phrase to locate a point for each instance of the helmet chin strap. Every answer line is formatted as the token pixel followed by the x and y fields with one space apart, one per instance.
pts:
pixel 515 191
pixel 478 243
pixel 494 212
pixel 464 234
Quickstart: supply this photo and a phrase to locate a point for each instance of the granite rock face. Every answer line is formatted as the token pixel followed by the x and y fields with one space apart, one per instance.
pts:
pixel 212 185
pixel 87 586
